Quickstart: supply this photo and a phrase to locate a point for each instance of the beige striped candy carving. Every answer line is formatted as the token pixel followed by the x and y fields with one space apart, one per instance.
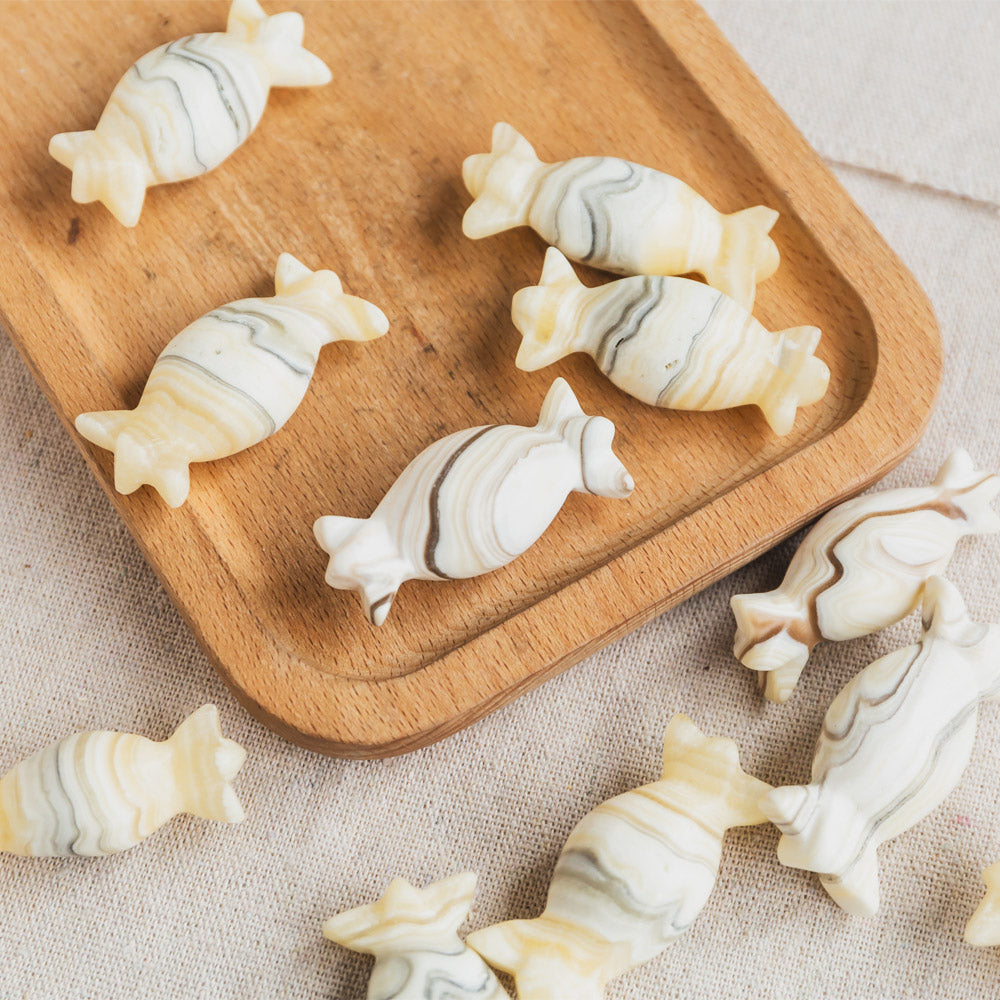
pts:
pixel 862 567
pixel 983 928
pixel 184 107
pixel 633 875
pixel 230 379
pixel 413 934
pixel 669 342
pixel 102 792
pixel 617 215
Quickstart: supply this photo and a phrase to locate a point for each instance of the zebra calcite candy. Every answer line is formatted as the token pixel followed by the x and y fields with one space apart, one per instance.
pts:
pixel 617 215
pixel 983 928
pixel 669 342
pixel 184 107
pixel 100 793
pixel 633 875
pixel 413 934
pixel 472 502
pixel 894 743
pixel 229 380
pixel 861 568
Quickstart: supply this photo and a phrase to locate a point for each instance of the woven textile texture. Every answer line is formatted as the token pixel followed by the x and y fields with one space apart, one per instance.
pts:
pixel 892 93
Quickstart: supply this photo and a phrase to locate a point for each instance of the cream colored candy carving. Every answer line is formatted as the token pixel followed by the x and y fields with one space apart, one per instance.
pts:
pixel 983 928
pixel 100 793
pixel 184 107
pixel 229 380
pixel 861 568
pixel 894 743
pixel 669 342
pixel 617 215
pixel 633 875
pixel 472 502
pixel 413 934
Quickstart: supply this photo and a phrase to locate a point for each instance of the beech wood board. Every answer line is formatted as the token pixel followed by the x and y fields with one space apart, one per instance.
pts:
pixel 364 177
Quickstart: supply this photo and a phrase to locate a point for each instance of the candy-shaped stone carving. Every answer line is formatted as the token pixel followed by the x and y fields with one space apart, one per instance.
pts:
pixel 617 215
pixel 669 342
pixel 100 793
pixel 413 934
pixel 472 502
pixel 184 107
pixel 229 380
pixel 633 875
pixel 861 568
pixel 894 743
pixel 983 928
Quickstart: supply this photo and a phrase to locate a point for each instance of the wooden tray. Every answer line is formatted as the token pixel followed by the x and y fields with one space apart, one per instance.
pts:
pixel 364 177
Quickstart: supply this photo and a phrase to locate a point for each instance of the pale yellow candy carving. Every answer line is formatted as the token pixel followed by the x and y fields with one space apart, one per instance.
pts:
pixel 184 107
pixel 230 379
pixel 862 567
pixel 983 928
pixel 633 875
pixel 473 501
pixel 894 743
pixel 617 215
pixel 669 342
pixel 413 934
pixel 102 792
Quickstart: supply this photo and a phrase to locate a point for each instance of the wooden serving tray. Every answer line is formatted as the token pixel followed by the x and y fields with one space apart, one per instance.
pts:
pixel 364 177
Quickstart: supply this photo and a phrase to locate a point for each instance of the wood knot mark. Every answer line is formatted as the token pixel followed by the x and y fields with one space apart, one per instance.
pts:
pixel 74 230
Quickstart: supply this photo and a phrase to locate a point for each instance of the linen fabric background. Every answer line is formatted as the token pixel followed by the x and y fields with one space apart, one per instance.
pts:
pixel 901 100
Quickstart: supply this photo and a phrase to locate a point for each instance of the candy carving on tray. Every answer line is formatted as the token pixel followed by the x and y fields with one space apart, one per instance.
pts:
pixel 100 793
pixel 669 342
pixel 861 568
pixel 413 934
pixel 230 379
pixel 618 216
pixel 183 108
pixel 472 502
pixel 633 874
pixel 894 743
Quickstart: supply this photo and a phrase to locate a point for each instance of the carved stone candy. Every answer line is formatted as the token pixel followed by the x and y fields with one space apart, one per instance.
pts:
pixel 983 928
pixel 861 568
pixel 894 743
pixel 617 215
pixel 472 502
pixel 669 342
pixel 633 875
pixel 184 107
pixel 413 934
pixel 229 380
pixel 100 793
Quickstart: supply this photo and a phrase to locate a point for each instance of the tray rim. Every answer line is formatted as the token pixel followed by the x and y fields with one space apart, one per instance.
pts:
pixel 620 599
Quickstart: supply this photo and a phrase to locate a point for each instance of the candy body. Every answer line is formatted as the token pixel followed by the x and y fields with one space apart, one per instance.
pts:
pixel 894 743
pixel 983 928
pixel 617 215
pixel 102 792
pixel 229 380
pixel 669 342
pixel 633 874
pixel 183 108
pixel 413 934
pixel 862 567
pixel 472 502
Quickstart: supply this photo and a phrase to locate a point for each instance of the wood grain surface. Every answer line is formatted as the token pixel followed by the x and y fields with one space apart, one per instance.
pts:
pixel 364 177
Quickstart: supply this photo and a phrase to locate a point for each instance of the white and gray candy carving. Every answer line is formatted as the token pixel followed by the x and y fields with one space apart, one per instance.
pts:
pixel 894 743
pixel 472 502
